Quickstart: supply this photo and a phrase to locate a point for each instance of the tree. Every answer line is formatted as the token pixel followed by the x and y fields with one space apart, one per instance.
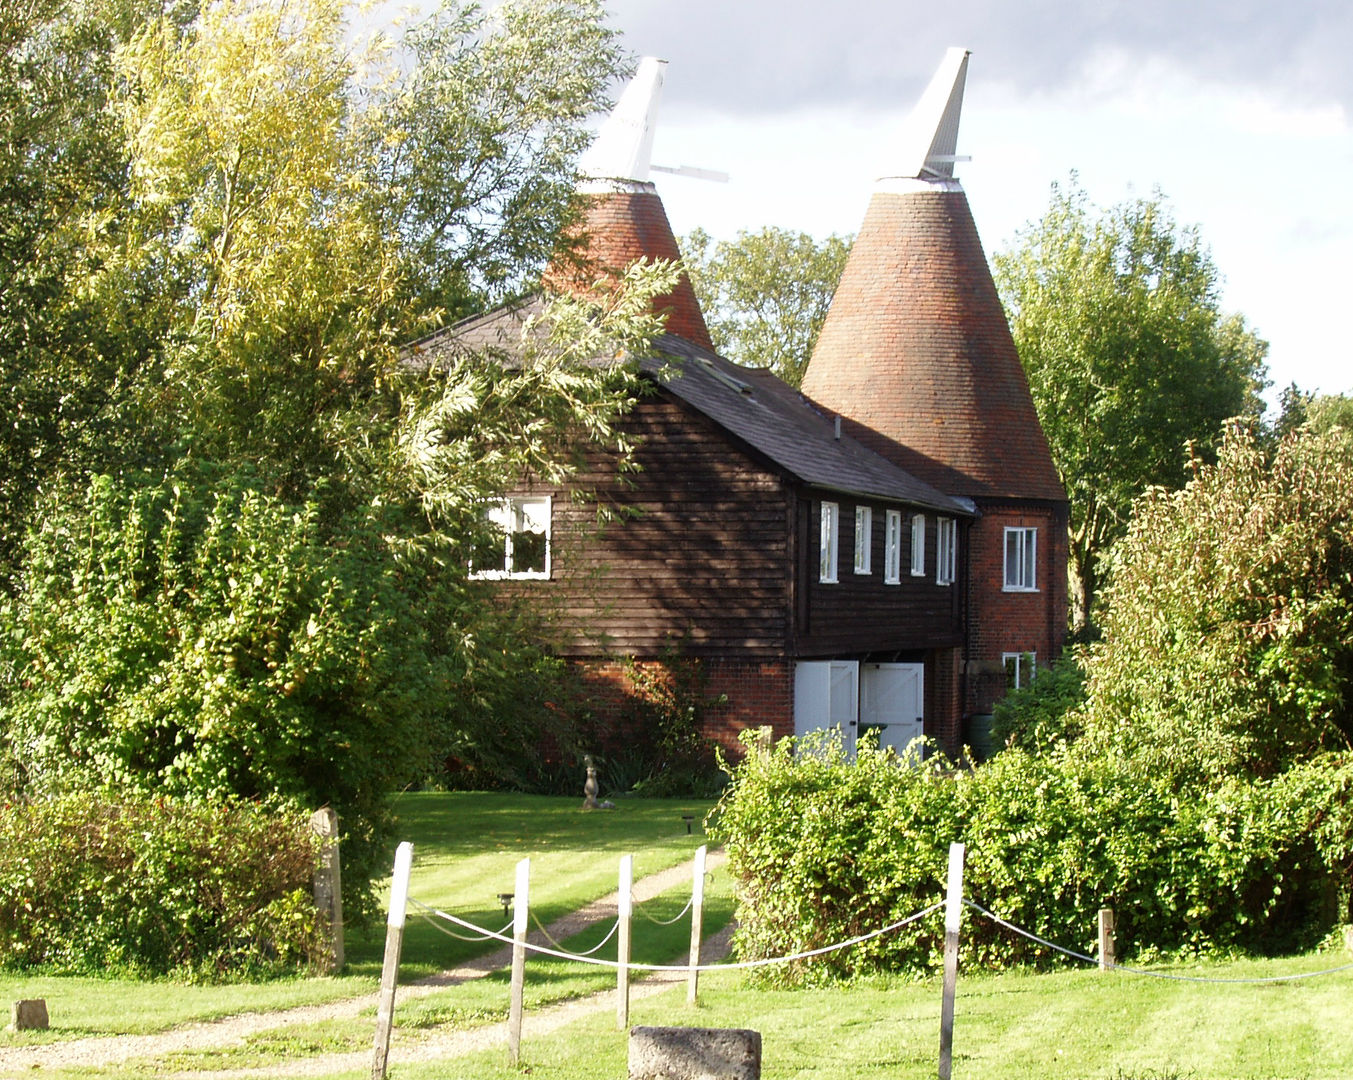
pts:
pixel 1228 624
pixel 1129 358
pixel 260 587
pixel 765 294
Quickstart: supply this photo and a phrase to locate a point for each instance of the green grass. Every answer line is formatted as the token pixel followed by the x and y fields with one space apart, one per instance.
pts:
pixel 466 847
pixel 1070 1025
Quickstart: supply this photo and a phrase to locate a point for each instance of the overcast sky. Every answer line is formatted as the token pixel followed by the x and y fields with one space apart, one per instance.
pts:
pixel 1240 112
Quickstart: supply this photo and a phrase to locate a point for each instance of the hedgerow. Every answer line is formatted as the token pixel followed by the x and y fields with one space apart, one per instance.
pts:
pixel 824 849
pixel 156 886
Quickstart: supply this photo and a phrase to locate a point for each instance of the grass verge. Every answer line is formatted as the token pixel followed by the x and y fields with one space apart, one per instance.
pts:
pixel 466 846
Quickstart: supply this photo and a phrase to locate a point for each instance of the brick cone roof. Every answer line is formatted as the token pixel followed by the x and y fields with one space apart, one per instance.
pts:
pixel 916 354
pixel 619 227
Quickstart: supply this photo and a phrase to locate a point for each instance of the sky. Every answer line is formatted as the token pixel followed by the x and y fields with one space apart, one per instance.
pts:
pixel 1239 112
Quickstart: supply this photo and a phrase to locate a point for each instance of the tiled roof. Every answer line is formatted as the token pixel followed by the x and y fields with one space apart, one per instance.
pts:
pixel 917 357
pixel 753 406
pixel 621 227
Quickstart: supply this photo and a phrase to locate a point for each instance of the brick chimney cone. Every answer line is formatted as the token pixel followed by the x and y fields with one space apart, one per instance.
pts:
pixel 916 352
pixel 624 219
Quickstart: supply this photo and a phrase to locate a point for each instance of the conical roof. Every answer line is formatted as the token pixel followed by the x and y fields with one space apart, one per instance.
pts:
pixel 623 217
pixel 916 355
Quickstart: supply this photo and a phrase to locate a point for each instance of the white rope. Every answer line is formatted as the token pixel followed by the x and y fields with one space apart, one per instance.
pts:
pixel 664 922
pixel 485 936
pixel 739 966
pixel 1142 971
pixel 615 927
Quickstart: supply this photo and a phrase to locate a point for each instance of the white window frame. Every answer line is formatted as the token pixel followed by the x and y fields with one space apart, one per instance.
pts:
pixel 1021 571
pixel 1024 670
pixel 918 545
pixel 892 547
pixel 509 516
pixel 946 544
pixel 829 540
pixel 864 539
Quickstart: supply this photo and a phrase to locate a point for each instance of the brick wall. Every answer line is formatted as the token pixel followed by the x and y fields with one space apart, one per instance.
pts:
pixel 739 694
pixel 1008 622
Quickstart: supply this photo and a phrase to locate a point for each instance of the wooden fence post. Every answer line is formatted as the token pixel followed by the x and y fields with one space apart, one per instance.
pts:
pixel 329 881
pixel 622 968
pixel 697 921
pixel 521 901
pixel 1106 954
pixel 953 911
pixel 394 943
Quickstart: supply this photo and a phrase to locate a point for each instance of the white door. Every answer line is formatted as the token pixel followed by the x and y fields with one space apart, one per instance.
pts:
pixel 892 701
pixel 826 695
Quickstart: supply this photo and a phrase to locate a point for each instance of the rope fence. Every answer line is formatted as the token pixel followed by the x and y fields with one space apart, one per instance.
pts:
pixel 953 904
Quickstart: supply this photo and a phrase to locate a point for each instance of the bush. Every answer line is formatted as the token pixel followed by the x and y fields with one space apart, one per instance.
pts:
pixel 1043 713
pixel 93 885
pixel 194 636
pixel 824 849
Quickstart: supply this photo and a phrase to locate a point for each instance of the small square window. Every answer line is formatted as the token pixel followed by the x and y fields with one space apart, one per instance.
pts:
pixel 892 547
pixel 864 539
pixel 918 545
pixel 829 541
pixel 517 542
pixel 1021 553
pixel 946 544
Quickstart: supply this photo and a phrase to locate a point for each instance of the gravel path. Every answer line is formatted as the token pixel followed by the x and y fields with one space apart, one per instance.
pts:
pixel 234 1030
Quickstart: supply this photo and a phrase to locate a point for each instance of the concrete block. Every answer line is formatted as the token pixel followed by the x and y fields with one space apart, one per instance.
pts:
pixel 681 1053
pixel 28 1015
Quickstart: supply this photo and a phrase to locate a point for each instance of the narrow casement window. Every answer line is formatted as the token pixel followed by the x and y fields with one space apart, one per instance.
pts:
pixel 946 536
pixel 517 542
pixel 892 547
pixel 1019 668
pixel 1021 553
pixel 864 539
pixel 918 545
pixel 830 540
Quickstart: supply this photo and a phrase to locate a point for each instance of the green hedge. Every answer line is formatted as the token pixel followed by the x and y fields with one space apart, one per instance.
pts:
pixel 824 849
pixel 156 887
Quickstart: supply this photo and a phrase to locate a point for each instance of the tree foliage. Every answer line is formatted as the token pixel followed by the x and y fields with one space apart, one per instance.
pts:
pixel 1129 357
pixel 248 577
pixel 765 294
pixel 1227 626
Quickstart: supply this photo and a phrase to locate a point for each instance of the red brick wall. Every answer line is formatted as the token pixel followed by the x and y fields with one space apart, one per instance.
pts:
pixel 1006 622
pixel 739 694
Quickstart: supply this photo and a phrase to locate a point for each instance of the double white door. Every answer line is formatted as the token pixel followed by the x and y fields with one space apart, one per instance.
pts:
pixel 856 698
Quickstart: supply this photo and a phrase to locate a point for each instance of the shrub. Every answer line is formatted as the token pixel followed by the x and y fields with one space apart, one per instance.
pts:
pixel 824 849
pixel 194 636
pixel 93 885
pixel 1044 712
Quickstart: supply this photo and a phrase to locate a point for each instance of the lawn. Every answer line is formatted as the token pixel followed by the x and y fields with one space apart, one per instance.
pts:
pixel 466 847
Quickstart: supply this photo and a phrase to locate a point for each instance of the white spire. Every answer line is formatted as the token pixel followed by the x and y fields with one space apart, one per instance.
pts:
pixel 623 149
pixel 930 134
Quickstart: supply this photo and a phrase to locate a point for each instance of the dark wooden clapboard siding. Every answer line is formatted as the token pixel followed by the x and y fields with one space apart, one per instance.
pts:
pixel 697 555
pixel 861 614
pixel 712 548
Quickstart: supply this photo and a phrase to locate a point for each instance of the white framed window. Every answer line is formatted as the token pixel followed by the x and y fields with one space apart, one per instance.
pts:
pixel 864 539
pixel 518 540
pixel 1021 554
pixel 892 547
pixel 1020 668
pixel 946 545
pixel 918 545
pixel 829 544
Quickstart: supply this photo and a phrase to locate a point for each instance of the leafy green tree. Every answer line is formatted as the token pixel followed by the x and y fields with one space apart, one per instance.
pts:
pixel 765 294
pixel 1229 620
pixel 264 590
pixel 67 364
pixel 1128 355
